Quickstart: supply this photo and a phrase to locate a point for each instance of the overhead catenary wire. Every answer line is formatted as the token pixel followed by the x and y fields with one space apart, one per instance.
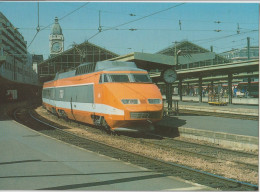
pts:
pixel 223 37
pixel 66 15
pixel 33 39
pixel 149 15
pixel 38 28
pixel 177 19
pixel 146 16
pixel 138 29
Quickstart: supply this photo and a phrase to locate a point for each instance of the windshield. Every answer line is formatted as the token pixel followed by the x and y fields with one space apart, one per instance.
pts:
pixel 142 78
pixel 119 78
pixel 125 78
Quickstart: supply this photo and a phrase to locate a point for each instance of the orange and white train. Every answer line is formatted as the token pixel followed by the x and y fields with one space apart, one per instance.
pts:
pixel 114 95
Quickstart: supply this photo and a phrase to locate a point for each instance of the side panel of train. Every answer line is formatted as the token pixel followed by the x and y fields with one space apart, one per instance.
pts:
pixel 72 97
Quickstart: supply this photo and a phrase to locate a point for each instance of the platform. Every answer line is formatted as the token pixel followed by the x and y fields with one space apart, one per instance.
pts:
pixel 32 161
pixel 234 133
pixel 235 100
pixel 229 108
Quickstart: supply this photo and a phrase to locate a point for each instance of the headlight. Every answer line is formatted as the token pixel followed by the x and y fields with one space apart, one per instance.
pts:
pixel 154 101
pixel 130 101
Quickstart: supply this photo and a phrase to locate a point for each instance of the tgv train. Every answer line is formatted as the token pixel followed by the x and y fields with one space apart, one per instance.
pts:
pixel 116 96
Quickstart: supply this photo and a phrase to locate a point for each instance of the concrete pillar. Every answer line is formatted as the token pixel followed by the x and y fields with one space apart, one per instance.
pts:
pixel 188 89
pixel 169 95
pixel 212 87
pixel 200 89
pixel 230 94
pixel 249 84
pixel 180 89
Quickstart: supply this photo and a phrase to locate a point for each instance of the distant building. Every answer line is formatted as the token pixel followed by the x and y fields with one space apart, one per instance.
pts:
pixel 56 39
pixel 15 64
pixel 36 59
pixel 242 54
pixel 85 52
pixel 13 49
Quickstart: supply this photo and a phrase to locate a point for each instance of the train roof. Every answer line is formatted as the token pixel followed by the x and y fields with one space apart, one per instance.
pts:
pixel 65 75
pixel 116 66
pixel 86 68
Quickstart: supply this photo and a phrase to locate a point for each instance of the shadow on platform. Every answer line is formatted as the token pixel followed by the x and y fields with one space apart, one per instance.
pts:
pixel 6 111
pixel 108 182
pixel 168 127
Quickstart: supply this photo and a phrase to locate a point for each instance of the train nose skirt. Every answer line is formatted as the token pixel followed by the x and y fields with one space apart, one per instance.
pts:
pixel 144 115
pixel 145 127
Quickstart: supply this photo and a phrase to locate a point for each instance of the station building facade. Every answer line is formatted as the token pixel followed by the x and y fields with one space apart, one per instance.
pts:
pixel 242 54
pixel 15 66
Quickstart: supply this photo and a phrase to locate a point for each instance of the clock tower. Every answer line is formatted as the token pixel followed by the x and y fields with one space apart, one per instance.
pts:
pixel 56 39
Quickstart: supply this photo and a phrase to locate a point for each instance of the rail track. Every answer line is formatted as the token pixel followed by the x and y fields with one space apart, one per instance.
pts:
pixel 171 169
pixel 225 115
pixel 212 153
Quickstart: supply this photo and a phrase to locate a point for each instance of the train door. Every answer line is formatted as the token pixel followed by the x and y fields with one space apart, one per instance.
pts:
pixel 73 97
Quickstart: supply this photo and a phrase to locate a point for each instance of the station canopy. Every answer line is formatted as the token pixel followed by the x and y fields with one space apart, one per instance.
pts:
pixel 189 56
pixel 193 61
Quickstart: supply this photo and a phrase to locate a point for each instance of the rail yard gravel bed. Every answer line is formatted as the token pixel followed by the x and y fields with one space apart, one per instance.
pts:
pixel 137 145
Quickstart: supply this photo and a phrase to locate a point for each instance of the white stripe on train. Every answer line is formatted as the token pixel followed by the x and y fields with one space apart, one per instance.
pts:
pixel 74 85
pixel 89 107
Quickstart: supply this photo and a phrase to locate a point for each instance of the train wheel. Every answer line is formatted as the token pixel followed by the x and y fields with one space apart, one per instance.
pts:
pixel 100 122
pixel 106 127
pixel 64 115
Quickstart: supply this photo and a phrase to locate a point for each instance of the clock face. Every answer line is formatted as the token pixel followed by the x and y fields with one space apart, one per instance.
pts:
pixel 169 75
pixel 56 47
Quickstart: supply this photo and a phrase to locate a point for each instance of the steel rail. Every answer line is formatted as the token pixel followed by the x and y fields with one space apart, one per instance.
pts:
pixel 184 172
pixel 197 154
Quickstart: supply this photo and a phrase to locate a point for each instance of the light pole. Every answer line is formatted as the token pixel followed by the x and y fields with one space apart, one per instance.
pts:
pixel 176 54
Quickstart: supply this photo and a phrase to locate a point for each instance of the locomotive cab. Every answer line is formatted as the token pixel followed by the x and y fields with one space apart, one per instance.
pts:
pixel 130 90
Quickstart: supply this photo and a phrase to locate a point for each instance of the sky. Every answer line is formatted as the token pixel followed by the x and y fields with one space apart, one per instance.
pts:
pixel 155 25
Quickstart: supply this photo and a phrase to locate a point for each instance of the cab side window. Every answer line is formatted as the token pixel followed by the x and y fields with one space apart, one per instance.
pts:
pixel 100 79
pixel 103 78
